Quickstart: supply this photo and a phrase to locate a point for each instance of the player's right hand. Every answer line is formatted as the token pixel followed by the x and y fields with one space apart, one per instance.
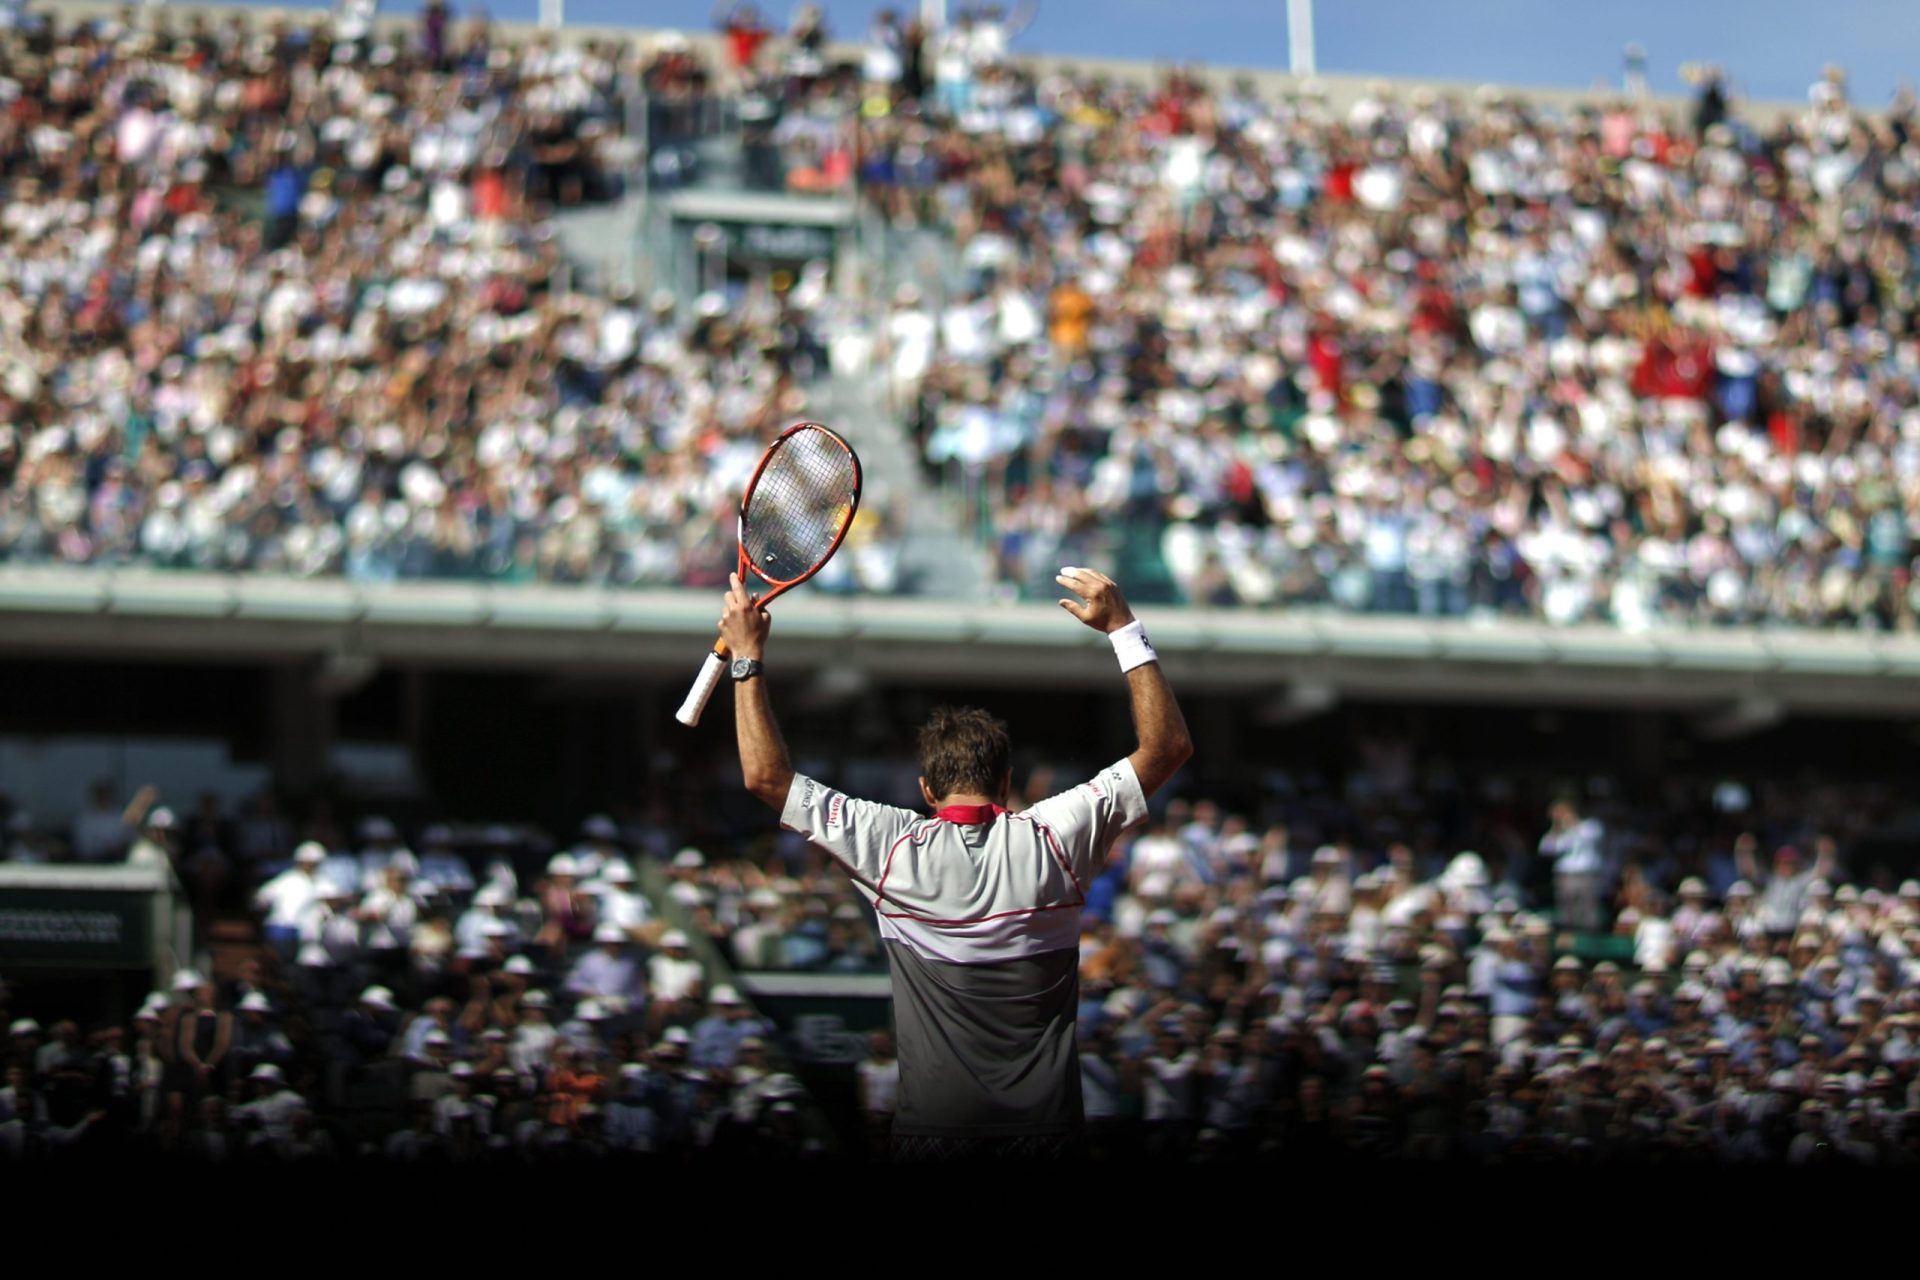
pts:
pixel 743 623
pixel 1105 609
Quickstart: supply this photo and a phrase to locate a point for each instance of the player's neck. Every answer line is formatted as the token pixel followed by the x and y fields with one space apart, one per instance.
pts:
pixel 968 799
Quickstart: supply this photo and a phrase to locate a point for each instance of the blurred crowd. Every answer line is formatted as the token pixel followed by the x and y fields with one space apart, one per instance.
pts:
pixel 436 1006
pixel 289 297
pixel 1242 994
pixel 1384 965
pixel 1423 353
pixel 1343 979
pixel 275 299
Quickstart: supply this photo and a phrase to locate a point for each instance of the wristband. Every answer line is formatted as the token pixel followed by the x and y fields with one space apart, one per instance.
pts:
pixel 1130 645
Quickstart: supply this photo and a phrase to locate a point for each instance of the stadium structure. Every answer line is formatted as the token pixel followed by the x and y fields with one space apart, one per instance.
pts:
pixel 513 710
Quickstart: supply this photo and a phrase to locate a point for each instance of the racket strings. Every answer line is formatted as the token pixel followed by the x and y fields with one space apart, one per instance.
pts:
pixel 796 512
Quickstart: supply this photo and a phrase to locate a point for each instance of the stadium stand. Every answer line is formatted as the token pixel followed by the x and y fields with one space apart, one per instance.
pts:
pixel 419 1008
pixel 284 302
pixel 1430 355
pixel 1424 354
pixel 307 315
pixel 1246 993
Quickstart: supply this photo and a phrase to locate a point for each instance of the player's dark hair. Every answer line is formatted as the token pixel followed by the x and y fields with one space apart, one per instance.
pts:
pixel 964 751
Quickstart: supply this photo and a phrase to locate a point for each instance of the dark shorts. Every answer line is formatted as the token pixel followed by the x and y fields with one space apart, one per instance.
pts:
pixel 1044 1148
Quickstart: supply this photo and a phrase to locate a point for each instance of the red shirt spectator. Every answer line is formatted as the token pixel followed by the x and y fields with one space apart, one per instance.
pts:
pixel 490 195
pixel 746 35
pixel 1340 182
pixel 1327 359
pixel 1675 367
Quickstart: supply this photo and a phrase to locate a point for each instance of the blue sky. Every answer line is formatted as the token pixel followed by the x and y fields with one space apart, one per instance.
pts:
pixel 1773 48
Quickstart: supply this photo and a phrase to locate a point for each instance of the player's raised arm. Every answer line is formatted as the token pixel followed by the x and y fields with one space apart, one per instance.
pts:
pixel 1164 742
pixel 764 765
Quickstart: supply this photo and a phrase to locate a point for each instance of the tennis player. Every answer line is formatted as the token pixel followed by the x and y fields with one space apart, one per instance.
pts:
pixel 979 908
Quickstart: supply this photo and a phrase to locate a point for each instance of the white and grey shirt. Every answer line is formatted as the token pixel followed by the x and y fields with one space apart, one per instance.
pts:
pixel 979 910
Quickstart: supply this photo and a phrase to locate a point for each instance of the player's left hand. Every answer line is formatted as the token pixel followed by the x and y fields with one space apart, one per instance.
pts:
pixel 743 623
pixel 1105 609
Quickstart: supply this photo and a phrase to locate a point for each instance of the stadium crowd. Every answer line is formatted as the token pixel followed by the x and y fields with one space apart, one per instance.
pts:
pixel 403 1008
pixel 283 302
pixel 1336 975
pixel 1248 993
pixel 1422 353
pixel 278 299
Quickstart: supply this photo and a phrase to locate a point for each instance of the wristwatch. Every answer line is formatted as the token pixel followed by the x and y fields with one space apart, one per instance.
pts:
pixel 745 668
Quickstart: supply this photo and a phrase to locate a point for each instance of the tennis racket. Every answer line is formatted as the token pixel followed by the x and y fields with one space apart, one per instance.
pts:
pixel 793 517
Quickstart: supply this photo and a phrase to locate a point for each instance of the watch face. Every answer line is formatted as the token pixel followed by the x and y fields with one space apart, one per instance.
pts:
pixel 742 668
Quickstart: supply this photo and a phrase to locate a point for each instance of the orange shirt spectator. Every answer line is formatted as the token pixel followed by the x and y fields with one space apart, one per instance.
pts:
pixel 1069 318
pixel 570 1092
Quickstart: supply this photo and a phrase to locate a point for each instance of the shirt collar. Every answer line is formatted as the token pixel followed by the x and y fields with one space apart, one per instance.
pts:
pixel 969 815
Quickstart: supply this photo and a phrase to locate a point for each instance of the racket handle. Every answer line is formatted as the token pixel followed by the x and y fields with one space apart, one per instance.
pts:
pixel 709 679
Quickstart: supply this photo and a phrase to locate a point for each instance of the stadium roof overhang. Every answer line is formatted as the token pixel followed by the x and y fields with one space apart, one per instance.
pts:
pixel 148 615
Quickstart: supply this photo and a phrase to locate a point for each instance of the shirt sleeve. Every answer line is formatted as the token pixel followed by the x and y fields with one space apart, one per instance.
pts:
pixel 1087 819
pixel 857 832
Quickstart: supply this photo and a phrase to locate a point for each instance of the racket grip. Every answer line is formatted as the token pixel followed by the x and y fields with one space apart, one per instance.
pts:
pixel 709 679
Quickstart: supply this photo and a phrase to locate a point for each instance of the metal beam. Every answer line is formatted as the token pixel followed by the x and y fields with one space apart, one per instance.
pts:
pixel 146 615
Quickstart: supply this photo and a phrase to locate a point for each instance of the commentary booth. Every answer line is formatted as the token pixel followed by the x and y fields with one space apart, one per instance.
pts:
pixel 89 942
pixel 724 241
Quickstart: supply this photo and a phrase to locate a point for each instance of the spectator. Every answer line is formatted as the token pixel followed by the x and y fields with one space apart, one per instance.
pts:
pixel 674 977
pixel 879 1085
pixel 1784 892
pixel 717 1039
pixel 745 34
pixel 273 1105
pixel 608 971
pixel 288 898
pixel 203 1038
pixel 1579 874
pixel 100 833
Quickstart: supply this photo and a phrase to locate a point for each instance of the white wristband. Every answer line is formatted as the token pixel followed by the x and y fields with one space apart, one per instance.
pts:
pixel 1131 647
